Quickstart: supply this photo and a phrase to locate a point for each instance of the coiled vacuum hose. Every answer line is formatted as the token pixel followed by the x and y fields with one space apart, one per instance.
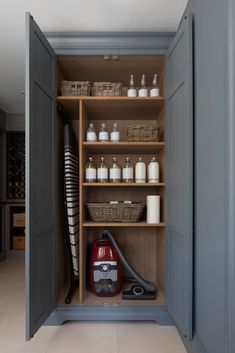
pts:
pixel 146 284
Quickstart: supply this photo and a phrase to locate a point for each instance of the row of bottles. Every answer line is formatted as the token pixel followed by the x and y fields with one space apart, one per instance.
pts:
pixel 103 135
pixel 115 174
pixel 143 91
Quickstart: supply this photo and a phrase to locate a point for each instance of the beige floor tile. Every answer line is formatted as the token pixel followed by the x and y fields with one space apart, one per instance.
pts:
pixel 78 337
pixel 11 275
pixel 148 338
pixel 70 337
pixel 3 314
pixel 12 336
pixel 11 296
pixel 13 263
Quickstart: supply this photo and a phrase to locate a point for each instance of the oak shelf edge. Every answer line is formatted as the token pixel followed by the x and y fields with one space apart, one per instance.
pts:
pixel 122 224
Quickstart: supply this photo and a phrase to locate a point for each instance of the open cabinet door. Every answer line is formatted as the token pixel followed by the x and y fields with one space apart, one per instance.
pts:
pixel 40 170
pixel 179 208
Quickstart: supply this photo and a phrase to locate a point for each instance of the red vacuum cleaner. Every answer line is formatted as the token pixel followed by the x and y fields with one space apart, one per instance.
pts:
pixel 105 269
pixel 106 272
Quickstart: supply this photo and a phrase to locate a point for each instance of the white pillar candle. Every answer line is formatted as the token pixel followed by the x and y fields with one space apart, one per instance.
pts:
pixel 153 209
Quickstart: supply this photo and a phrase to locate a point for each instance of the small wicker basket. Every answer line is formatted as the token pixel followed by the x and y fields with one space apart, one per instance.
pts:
pixel 143 133
pixel 75 88
pixel 120 212
pixel 104 89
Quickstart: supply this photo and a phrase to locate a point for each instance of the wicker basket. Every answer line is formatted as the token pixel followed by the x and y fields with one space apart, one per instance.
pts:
pixel 143 133
pixel 121 212
pixel 75 88
pixel 104 89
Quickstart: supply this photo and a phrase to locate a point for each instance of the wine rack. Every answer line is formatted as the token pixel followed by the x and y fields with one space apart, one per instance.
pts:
pixel 16 165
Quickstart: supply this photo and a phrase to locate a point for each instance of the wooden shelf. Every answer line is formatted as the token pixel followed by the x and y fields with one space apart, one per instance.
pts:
pixel 122 98
pixel 124 184
pixel 113 108
pixel 123 147
pixel 116 301
pixel 117 224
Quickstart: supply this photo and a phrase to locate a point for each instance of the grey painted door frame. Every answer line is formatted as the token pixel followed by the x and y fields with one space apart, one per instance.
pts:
pixel 179 177
pixel 40 178
pixel 110 43
pixel 98 43
pixel 230 166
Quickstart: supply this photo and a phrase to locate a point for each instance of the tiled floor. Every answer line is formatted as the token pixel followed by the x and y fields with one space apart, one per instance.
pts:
pixel 76 337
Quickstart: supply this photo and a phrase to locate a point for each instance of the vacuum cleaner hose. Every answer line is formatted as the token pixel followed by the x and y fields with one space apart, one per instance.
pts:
pixel 146 284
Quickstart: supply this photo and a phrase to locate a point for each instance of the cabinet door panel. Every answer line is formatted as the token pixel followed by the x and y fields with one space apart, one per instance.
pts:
pixel 179 209
pixel 40 181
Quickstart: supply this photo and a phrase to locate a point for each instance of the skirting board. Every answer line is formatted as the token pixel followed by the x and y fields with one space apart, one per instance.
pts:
pixel 99 313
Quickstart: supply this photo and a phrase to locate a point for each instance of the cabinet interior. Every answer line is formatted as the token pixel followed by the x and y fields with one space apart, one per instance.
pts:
pixel 142 244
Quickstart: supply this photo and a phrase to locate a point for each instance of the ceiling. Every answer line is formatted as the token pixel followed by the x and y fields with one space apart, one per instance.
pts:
pixel 71 16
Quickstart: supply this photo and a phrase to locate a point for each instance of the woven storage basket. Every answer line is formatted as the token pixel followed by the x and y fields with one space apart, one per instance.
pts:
pixel 121 212
pixel 143 133
pixel 75 88
pixel 104 89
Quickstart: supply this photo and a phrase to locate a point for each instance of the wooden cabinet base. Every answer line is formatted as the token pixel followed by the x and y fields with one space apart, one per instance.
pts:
pixel 18 242
pixel 19 220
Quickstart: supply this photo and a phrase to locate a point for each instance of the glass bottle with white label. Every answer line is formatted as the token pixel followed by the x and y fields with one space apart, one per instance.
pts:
pixel 131 90
pixel 140 171
pixel 143 92
pixel 103 133
pixel 115 172
pixel 153 171
pixel 115 134
pixel 90 171
pixel 102 171
pixel 91 134
pixel 127 172
pixel 154 92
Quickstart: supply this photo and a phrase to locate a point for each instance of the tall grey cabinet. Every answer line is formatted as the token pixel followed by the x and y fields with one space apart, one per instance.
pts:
pixel 195 274
pixel 44 253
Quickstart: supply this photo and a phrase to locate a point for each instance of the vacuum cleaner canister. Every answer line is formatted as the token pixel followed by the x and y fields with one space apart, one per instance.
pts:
pixel 105 269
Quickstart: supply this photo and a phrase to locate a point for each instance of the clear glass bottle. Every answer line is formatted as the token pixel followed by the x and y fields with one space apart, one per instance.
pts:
pixel 143 92
pixel 103 133
pixel 115 134
pixel 102 171
pixel 153 171
pixel 90 171
pixel 91 133
pixel 115 172
pixel 140 171
pixel 128 172
pixel 154 92
pixel 131 90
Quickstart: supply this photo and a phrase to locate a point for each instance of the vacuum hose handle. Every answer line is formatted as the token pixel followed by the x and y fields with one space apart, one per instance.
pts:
pixel 146 284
